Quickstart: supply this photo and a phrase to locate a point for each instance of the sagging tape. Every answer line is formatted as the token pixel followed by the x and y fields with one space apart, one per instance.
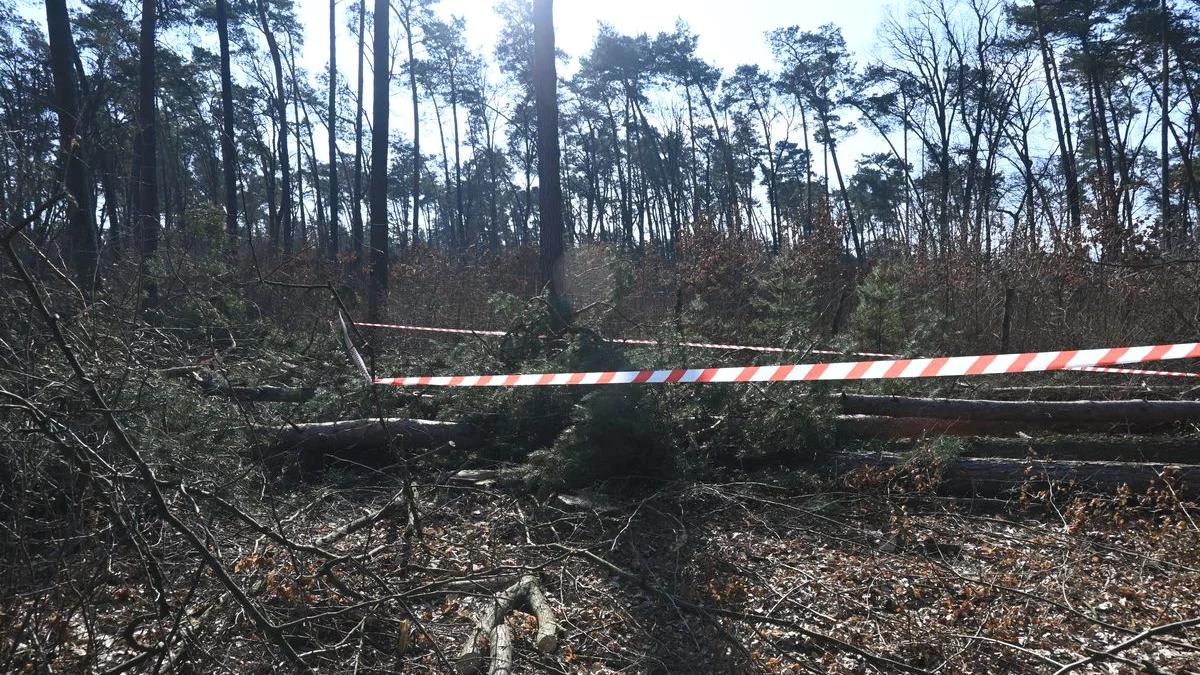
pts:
pixel 626 341
pixel 955 366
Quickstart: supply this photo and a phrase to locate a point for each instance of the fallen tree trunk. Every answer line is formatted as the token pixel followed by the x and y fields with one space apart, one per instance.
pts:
pixel 868 427
pixel 1138 412
pixel 259 394
pixel 990 477
pixel 367 442
pixel 1076 392
pixel 1081 447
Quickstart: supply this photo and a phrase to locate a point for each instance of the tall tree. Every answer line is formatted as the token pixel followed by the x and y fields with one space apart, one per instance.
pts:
pixel 550 206
pixel 228 147
pixel 280 229
pixel 356 223
pixel 820 71
pixel 1032 18
pixel 334 228
pixel 381 55
pixel 451 68
pixel 412 14
pixel 83 240
pixel 1168 227
pixel 146 143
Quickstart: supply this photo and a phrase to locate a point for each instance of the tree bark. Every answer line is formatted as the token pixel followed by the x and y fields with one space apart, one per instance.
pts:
pixel 147 156
pixel 282 228
pixel 356 223
pixel 409 27
pixel 334 229
pixel 377 284
pixel 228 149
pixel 84 243
pixel 545 87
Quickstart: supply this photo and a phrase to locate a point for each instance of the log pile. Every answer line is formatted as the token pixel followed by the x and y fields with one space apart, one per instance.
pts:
pixel 492 636
pixel 1089 441
pixel 1008 443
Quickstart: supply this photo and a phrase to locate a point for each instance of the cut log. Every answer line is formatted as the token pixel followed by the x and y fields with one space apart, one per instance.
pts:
pixel 547 633
pixel 989 477
pixel 367 442
pixel 490 623
pixel 502 650
pixel 471 659
pixel 1138 412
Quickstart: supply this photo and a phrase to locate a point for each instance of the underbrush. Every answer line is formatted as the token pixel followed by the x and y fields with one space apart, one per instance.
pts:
pixel 149 537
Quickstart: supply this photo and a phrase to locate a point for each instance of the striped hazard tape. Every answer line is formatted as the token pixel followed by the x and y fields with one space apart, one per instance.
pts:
pixel 625 341
pixel 955 366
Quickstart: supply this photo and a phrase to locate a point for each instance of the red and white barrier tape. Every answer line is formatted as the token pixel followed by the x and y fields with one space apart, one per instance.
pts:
pixel 652 343
pixel 956 366
pixel 428 329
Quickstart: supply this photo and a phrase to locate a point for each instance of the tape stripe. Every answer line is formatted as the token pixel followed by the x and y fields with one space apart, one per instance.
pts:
pixel 849 370
pixel 980 365
pixel 627 341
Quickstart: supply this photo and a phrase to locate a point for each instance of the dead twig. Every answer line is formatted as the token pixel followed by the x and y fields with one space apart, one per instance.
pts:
pixel 1122 646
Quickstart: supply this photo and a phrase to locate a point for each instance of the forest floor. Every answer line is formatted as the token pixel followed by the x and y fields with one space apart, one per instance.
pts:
pixel 870 576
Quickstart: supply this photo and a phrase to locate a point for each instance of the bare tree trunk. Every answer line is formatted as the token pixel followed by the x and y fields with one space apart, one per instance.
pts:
pixel 282 228
pixel 228 149
pixel 334 230
pixel 459 221
pixel 545 87
pixel 381 50
pixel 356 224
pixel 1061 125
pixel 1168 227
pixel 412 84
pixel 147 158
pixel 83 241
